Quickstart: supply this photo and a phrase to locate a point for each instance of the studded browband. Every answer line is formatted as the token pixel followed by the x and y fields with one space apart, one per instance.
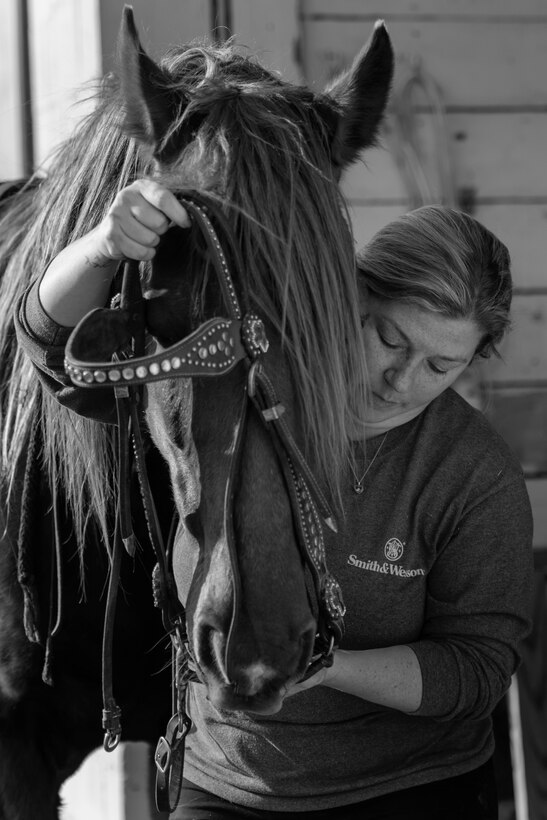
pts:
pixel 214 348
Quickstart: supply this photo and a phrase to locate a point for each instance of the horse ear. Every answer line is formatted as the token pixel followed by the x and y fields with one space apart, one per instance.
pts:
pixel 148 105
pixel 361 94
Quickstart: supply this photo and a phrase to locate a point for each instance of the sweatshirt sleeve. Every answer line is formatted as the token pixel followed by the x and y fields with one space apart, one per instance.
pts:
pixel 478 605
pixel 44 341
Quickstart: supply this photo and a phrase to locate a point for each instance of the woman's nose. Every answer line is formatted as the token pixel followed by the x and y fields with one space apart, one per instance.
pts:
pixel 399 378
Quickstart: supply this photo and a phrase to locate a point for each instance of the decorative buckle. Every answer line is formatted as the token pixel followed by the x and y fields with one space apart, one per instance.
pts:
pixel 162 756
pixel 177 729
pixel 332 596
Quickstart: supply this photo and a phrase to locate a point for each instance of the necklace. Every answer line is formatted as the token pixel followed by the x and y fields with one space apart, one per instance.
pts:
pixel 358 483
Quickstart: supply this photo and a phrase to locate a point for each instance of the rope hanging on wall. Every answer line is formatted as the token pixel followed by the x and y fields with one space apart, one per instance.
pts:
pixel 420 93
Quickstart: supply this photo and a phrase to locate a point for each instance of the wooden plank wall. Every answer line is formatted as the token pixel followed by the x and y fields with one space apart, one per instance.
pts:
pixel 64 54
pixel 13 139
pixel 272 32
pixel 489 59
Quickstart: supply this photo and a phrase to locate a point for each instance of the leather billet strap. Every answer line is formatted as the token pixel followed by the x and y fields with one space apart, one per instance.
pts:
pixel 229 501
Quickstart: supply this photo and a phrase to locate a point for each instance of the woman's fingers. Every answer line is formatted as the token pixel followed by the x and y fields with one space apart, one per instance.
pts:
pixel 138 217
pixel 164 201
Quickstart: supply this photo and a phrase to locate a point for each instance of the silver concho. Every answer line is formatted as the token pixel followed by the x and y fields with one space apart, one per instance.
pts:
pixel 253 335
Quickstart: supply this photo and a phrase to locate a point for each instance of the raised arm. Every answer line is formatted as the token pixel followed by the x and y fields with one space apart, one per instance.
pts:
pixel 80 277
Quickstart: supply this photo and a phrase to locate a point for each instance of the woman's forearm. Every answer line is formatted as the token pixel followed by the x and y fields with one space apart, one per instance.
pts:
pixel 390 676
pixel 76 281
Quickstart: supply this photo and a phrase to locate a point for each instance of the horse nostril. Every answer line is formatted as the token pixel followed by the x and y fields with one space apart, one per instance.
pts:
pixel 209 647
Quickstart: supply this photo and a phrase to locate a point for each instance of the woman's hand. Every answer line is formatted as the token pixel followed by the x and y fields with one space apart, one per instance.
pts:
pixel 315 680
pixel 79 278
pixel 136 221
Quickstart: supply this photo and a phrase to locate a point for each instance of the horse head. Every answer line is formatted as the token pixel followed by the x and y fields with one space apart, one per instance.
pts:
pixel 257 436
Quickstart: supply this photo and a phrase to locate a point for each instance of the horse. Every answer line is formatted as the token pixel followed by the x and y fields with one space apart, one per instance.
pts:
pixel 259 299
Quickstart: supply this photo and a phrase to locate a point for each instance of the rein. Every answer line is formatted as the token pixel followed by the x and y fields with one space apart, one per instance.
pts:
pixel 216 347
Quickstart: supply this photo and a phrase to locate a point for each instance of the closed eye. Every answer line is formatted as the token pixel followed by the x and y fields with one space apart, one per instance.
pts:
pixel 392 345
pixel 437 369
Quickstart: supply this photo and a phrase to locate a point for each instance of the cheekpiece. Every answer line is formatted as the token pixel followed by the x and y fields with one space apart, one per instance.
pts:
pixel 312 532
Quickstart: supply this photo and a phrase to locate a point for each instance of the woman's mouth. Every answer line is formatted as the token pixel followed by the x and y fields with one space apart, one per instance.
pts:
pixel 380 401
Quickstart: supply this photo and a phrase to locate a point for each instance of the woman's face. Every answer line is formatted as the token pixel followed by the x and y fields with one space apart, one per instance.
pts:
pixel 413 354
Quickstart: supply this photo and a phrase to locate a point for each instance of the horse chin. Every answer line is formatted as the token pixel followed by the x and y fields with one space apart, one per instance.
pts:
pixel 255 682
pixel 251 694
pixel 226 697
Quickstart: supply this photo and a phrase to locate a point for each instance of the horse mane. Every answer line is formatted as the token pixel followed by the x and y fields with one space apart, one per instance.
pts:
pixel 260 147
pixel 83 177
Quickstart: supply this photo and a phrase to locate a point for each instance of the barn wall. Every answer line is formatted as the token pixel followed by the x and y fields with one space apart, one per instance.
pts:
pixel 64 51
pixel 13 111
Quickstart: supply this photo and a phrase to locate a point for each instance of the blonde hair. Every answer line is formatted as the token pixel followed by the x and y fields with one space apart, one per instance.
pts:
pixel 445 261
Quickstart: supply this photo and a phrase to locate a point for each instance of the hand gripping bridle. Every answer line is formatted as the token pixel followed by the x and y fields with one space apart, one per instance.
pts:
pixel 216 347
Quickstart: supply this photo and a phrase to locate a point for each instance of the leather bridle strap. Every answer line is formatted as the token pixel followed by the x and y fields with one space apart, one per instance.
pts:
pixel 128 405
pixel 309 507
pixel 262 393
pixel 229 500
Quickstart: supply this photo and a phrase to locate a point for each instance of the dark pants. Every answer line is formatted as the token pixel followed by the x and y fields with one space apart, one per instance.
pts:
pixel 470 796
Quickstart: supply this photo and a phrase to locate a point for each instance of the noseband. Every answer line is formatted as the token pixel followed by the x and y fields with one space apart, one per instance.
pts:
pixel 216 347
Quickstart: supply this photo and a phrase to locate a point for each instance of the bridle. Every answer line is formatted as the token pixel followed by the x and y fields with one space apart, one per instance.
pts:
pixel 216 347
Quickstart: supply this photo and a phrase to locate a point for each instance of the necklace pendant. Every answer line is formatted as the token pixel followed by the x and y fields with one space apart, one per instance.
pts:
pixel 358 486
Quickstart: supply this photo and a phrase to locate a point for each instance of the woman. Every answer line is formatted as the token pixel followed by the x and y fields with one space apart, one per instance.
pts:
pixel 434 558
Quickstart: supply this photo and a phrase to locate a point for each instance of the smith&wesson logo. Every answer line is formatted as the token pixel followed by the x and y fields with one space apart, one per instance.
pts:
pixel 393 551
